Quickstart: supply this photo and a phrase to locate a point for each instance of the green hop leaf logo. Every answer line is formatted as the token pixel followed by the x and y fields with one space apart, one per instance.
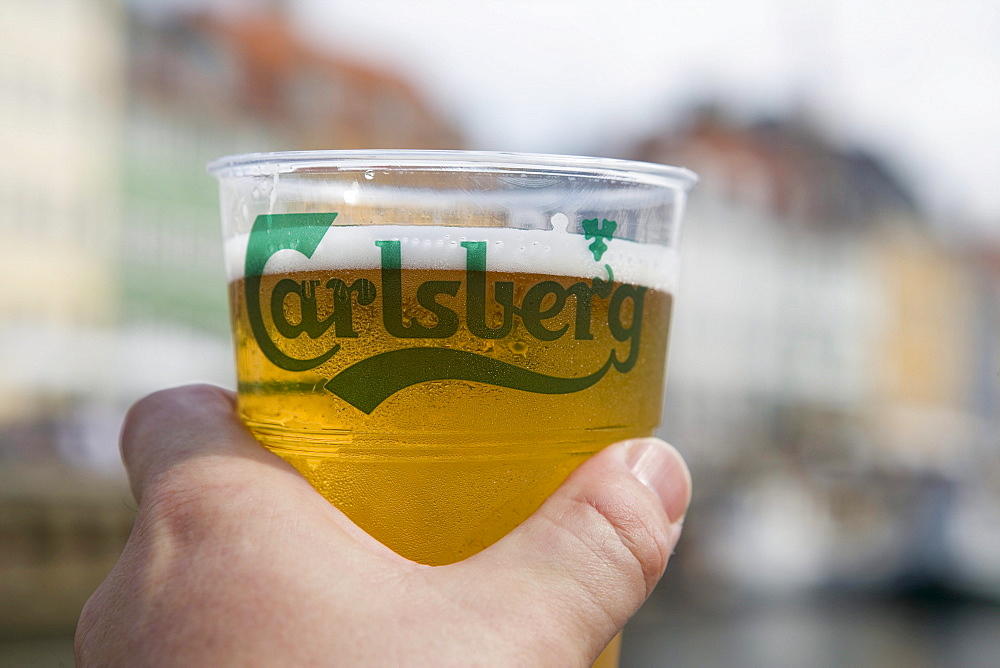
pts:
pixel 599 232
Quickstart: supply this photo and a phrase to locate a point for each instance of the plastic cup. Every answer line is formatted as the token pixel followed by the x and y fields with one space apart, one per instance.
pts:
pixel 435 340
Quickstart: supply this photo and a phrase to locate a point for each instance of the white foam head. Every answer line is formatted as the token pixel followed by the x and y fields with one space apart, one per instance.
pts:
pixel 555 252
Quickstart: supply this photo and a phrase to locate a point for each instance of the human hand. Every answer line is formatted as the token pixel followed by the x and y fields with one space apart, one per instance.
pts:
pixel 235 560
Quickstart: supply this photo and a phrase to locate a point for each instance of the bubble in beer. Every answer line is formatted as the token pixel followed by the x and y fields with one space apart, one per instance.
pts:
pixel 369 174
pixel 518 347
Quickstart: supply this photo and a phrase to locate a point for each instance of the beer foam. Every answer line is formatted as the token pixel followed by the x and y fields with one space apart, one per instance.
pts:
pixel 555 252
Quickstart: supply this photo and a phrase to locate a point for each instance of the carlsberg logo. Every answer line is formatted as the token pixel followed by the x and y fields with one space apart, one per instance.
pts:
pixel 368 383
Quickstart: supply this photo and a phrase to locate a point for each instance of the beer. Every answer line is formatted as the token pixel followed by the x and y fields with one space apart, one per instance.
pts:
pixel 443 404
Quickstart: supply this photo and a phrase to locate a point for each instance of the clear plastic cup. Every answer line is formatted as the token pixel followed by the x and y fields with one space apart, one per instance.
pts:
pixel 437 339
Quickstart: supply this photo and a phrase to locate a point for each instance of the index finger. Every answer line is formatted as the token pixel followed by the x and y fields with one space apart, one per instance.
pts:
pixel 172 426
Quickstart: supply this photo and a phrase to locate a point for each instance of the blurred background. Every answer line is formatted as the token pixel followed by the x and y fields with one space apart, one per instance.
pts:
pixel 835 362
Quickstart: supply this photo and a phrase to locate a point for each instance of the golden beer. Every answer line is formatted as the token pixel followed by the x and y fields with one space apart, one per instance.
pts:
pixel 443 468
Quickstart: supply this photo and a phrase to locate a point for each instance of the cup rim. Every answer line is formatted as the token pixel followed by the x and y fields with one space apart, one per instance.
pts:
pixel 283 162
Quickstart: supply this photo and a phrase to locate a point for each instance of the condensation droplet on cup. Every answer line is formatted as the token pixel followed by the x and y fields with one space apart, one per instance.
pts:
pixel 351 194
pixel 369 174
pixel 272 200
pixel 519 348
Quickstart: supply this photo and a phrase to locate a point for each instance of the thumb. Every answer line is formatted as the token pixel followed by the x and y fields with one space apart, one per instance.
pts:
pixel 597 546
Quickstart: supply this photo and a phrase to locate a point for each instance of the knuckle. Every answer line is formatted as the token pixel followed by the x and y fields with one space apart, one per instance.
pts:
pixel 155 403
pixel 165 404
pixel 152 413
pixel 177 510
pixel 165 423
pixel 188 501
pixel 631 536
pixel 137 416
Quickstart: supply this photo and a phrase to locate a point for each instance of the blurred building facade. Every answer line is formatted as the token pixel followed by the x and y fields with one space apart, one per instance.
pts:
pixel 61 94
pixel 113 283
pixel 833 367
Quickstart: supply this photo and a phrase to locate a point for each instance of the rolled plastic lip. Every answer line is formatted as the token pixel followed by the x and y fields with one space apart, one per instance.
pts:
pixel 283 162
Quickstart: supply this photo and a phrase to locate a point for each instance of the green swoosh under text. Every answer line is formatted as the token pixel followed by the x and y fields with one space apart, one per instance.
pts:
pixel 368 383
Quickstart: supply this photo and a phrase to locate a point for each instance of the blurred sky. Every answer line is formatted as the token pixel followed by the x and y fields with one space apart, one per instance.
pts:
pixel 917 82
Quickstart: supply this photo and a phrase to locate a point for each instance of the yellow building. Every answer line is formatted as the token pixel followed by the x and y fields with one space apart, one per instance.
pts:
pixel 60 111
pixel 924 362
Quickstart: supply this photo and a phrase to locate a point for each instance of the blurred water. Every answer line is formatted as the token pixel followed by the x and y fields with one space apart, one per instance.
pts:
pixel 859 630
pixel 832 631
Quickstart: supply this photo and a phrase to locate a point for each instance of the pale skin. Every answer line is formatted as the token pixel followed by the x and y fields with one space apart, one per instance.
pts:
pixel 236 560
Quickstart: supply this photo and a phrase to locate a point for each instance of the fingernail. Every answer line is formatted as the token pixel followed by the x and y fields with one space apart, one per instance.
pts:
pixel 661 468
